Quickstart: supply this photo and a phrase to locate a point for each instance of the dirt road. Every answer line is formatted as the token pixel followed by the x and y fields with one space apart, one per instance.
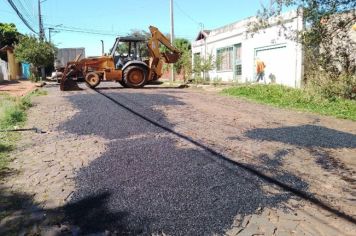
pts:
pixel 183 162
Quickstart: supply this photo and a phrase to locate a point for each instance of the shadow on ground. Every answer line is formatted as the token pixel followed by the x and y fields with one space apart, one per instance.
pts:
pixel 21 215
pixel 315 139
pixel 311 136
pixel 163 184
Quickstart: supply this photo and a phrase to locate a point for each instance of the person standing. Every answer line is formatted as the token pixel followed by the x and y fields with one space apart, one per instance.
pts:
pixel 260 70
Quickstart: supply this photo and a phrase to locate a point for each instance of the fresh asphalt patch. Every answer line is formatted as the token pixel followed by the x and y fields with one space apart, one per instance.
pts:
pixel 145 183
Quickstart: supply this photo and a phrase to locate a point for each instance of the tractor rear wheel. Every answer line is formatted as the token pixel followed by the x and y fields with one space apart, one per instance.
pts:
pixel 92 79
pixel 135 76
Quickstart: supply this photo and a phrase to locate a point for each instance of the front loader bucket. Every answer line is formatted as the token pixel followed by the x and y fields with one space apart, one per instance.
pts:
pixel 68 84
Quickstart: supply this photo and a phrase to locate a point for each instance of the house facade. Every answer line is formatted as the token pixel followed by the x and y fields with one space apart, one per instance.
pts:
pixel 236 51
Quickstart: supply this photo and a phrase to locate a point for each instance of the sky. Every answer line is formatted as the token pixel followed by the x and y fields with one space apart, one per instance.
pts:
pixel 111 18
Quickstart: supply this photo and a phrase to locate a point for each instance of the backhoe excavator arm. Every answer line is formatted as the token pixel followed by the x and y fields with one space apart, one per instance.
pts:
pixel 157 57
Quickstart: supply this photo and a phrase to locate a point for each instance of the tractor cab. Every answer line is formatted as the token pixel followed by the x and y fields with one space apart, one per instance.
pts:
pixel 128 49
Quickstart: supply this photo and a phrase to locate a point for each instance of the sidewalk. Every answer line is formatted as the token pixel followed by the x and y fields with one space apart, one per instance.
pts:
pixel 17 88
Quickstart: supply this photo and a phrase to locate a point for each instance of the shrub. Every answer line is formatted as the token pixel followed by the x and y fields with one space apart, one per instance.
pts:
pixel 216 81
pixel 306 100
pixel 332 86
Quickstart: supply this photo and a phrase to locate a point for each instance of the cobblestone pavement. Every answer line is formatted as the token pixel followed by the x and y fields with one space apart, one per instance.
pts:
pixel 45 167
pixel 45 164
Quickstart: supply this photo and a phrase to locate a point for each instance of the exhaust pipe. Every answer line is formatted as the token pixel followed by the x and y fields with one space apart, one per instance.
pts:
pixel 102 47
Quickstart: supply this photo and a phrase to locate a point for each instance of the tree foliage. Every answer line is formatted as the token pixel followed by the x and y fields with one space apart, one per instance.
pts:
pixel 34 51
pixel 328 38
pixel 184 63
pixel 202 65
pixel 8 35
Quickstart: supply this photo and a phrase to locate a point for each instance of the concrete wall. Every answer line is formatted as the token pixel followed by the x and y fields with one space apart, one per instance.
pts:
pixel 282 56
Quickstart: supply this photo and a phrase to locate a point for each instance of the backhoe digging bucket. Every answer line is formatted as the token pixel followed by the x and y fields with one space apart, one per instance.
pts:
pixel 67 84
pixel 171 57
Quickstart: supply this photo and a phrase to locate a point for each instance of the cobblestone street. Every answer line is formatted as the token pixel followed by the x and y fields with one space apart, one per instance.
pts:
pixel 98 168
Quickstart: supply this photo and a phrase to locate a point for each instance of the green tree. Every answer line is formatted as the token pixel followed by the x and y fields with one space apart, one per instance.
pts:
pixel 184 63
pixel 202 66
pixel 36 52
pixel 8 36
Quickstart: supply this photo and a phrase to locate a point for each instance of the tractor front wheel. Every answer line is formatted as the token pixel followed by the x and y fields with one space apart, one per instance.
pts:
pixel 92 79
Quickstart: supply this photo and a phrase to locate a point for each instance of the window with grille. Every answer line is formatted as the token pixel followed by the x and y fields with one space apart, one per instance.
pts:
pixel 224 59
pixel 238 60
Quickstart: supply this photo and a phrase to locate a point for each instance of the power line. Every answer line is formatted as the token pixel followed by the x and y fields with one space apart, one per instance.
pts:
pixel 82 30
pixel 29 5
pixel 86 32
pixel 21 16
pixel 95 32
pixel 186 14
pixel 24 10
pixel 74 29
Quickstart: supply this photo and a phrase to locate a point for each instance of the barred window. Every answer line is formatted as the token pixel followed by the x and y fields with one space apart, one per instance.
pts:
pixel 238 60
pixel 224 59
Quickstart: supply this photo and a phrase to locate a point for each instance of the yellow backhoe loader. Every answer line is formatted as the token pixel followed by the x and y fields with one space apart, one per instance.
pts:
pixel 125 64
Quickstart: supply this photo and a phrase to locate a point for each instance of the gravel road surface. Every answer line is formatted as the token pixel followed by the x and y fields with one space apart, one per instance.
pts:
pixel 103 168
pixel 154 182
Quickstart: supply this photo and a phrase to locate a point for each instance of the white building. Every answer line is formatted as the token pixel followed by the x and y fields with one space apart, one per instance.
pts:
pixel 237 51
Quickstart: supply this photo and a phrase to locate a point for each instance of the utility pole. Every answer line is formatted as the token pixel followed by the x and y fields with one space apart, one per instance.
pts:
pixel 49 34
pixel 172 37
pixel 50 31
pixel 41 35
pixel 40 24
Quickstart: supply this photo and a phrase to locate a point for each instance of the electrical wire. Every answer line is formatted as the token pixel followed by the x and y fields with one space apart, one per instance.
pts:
pixel 85 32
pixel 186 14
pixel 82 30
pixel 19 14
pixel 94 32
pixel 24 11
